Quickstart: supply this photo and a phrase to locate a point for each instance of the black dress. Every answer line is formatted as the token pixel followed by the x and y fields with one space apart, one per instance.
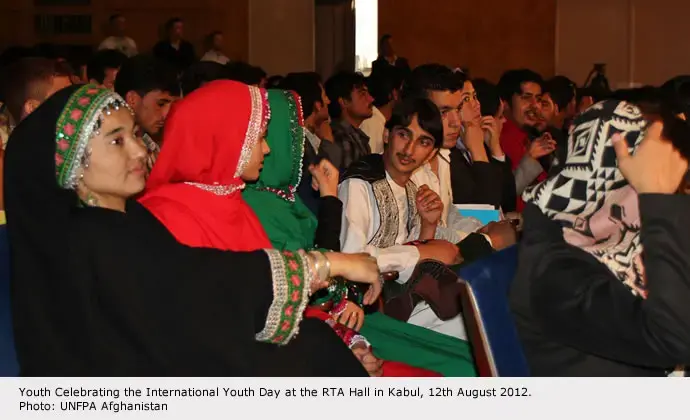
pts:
pixel 575 318
pixel 97 292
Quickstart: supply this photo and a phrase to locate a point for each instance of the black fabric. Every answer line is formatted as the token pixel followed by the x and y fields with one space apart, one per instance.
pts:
pixel 180 58
pixel 575 318
pixel 370 168
pixel 400 63
pixel 508 190
pixel 476 183
pixel 561 153
pixel 97 292
pixel 474 247
pixel 330 224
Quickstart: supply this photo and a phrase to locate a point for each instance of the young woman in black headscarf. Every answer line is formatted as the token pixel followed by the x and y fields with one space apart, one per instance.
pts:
pixel 101 288
pixel 603 280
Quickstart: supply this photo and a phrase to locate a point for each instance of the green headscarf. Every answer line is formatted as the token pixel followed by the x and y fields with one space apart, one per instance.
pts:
pixel 290 225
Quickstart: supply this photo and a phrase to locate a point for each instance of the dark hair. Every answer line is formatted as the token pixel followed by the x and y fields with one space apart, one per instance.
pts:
pixel 143 74
pixel 308 87
pixel 102 60
pixel 202 72
pixel 382 82
pixel 341 85
pixel 384 38
pixel 274 81
pixel 676 95
pixel 561 90
pixel 171 22
pixel 511 82
pixel 208 41
pixel 13 54
pixel 245 73
pixel 488 96
pixel 647 98
pixel 432 77
pixel 27 78
pixel 114 17
pixel 428 117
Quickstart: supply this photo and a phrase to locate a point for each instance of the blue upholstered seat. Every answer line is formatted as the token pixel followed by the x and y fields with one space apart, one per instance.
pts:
pixel 8 356
pixel 491 330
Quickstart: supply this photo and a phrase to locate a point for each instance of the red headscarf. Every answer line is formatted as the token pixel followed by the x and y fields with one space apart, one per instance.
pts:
pixel 195 188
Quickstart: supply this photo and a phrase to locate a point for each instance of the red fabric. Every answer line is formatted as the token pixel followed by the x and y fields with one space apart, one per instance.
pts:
pixel 401 370
pixel 390 369
pixel 203 140
pixel 514 142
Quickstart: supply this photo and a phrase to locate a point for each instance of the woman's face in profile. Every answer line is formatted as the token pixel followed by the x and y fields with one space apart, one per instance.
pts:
pixel 116 160
pixel 256 161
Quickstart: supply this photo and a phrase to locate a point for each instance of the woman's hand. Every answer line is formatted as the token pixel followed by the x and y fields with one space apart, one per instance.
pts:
pixel 325 178
pixel 352 316
pixel 372 364
pixel 359 268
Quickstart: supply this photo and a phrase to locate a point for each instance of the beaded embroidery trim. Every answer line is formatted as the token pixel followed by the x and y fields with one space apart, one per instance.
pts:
pixel 258 120
pixel 80 120
pixel 292 278
pixel 297 143
pixel 388 212
pixel 218 189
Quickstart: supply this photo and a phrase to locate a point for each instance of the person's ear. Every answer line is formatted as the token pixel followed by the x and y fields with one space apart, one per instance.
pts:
pixel 133 99
pixel 29 107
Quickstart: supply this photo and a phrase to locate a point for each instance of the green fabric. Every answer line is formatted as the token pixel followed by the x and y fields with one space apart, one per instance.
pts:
pixel 290 225
pixel 402 342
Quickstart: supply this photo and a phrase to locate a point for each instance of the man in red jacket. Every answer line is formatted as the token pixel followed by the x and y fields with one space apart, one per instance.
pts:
pixel 521 91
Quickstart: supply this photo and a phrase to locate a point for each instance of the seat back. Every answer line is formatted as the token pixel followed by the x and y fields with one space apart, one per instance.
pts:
pixel 8 355
pixel 489 321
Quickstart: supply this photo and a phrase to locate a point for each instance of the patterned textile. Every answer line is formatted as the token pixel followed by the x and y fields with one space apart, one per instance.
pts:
pixel 372 170
pixel 591 199
pixel 353 144
pixel 152 151
pixel 79 121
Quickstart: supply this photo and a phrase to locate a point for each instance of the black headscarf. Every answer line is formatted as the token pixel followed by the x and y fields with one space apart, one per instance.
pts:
pixel 97 292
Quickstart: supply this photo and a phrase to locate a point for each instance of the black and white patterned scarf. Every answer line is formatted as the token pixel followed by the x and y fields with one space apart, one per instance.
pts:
pixel 591 199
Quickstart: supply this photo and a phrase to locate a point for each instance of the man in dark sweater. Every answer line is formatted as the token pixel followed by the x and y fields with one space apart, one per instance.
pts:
pixel 174 49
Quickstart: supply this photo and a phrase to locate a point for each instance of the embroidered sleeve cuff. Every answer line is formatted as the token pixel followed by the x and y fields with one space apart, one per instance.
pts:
pixel 292 277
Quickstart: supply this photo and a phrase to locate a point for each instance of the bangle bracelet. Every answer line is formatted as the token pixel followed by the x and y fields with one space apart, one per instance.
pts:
pixel 322 266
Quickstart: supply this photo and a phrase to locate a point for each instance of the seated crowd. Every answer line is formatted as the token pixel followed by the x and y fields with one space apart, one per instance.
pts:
pixel 168 216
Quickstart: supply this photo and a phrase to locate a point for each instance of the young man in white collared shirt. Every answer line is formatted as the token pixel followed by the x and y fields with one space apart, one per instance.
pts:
pixel 384 210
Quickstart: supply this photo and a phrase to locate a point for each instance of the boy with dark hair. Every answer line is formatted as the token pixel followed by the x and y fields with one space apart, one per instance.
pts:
pixel 350 105
pixel 317 128
pixel 558 104
pixel 521 91
pixel 149 86
pixel 444 87
pixel 28 82
pixel 103 66
pixel 385 86
pixel 247 74
pixel 201 73
pixel 376 182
